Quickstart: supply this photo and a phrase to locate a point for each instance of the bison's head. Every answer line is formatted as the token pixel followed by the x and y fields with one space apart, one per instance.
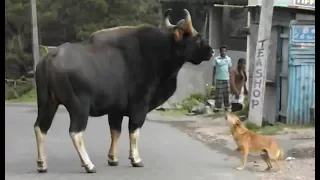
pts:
pixel 191 46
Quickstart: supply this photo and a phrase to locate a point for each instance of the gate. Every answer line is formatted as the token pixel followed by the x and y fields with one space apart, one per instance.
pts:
pixel 301 74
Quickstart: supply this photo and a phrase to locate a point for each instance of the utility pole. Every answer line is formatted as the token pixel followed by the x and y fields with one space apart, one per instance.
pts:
pixel 260 63
pixel 248 48
pixel 35 40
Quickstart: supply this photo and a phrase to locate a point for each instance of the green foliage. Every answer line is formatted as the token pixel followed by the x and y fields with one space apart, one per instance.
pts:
pixel 30 96
pixel 62 21
pixel 210 91
pixel 16 89
pixel 192 100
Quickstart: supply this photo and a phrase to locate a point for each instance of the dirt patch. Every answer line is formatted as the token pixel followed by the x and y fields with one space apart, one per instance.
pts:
pixel 302 153
pixel 293 170
pixel 298 143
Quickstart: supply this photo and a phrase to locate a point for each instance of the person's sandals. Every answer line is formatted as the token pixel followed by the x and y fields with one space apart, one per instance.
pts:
pixel 220 109
pixel 217 110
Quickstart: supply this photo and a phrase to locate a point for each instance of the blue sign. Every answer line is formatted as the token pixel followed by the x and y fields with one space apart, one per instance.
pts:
pixel 303 33
pixel 304 3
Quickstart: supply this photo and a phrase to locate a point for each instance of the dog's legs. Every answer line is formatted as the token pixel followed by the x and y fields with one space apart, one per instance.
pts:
pixel 244 152
pixel 264 155
pixel 278 164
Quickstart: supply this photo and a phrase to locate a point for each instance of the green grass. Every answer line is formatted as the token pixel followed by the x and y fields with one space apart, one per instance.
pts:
pixel 173 113
pixel 30 96
pixel 273 130
pixel 215 115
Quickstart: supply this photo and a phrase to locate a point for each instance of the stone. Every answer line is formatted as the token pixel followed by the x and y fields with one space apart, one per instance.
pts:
pixel 208 110
pixel 198 109
pixel 165 106
pixel 211 102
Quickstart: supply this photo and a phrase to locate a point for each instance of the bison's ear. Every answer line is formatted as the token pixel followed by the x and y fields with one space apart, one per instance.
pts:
pixel 178 34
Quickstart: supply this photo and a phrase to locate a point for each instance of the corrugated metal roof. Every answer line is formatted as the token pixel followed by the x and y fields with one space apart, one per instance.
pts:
pixel 285 6
pixel 193 1
pixel 252 3
pixel 292 4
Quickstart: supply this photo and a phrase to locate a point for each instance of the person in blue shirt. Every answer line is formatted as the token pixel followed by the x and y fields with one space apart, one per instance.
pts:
pixel 221 71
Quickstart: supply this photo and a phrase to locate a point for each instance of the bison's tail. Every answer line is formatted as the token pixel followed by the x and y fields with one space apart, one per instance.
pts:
pixel 42 82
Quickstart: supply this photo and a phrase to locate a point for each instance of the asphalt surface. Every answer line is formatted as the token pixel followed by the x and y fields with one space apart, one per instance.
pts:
pixel 168 154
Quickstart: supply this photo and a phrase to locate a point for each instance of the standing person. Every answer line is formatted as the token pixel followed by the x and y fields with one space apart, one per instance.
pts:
pixel 238 79
pixel 221 68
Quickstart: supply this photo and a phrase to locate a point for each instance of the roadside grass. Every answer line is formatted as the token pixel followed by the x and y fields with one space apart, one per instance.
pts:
pixel 215 115
pixel 265 129
pixel 275 129
pixel 30 96
pixel 172 113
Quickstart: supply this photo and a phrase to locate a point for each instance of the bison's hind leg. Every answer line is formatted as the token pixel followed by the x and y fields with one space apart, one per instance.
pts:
pixel 46 112
pixel 79 113
pixel 115 122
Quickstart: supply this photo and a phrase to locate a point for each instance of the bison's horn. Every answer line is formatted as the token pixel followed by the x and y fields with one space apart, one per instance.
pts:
pixel 166 21
pixel 188 25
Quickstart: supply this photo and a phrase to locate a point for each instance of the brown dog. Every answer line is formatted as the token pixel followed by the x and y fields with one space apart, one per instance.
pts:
pixel 249 141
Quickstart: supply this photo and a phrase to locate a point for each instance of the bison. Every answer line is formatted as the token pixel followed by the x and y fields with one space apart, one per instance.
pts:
pixel 122 71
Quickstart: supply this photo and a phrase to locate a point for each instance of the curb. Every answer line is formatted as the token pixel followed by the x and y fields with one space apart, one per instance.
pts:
pixel 157 117
pixel 20 104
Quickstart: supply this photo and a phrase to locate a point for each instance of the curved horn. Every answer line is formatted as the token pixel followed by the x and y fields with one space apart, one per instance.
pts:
pixel 166 21
pixel 188 23
pixel 204 30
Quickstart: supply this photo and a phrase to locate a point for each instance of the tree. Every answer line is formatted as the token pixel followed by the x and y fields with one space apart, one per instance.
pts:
pixel 62 21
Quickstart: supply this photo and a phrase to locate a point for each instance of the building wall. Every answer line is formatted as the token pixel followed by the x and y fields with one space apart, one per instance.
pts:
pixel 281 17
pixel 193 78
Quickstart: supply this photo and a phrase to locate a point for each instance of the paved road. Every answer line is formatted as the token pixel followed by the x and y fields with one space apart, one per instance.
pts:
pixel 168 154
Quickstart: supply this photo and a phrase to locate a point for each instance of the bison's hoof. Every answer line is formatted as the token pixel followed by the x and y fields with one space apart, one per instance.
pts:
pixel 240 168
pixel 41 170
pixel 42 167
pixel 113 163
pixel 137 164
pixel 90 170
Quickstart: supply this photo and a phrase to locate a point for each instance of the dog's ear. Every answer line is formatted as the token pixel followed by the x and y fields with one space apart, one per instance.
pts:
pixel 238 122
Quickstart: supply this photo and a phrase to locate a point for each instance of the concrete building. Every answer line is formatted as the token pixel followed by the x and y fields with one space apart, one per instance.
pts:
pixel 285 88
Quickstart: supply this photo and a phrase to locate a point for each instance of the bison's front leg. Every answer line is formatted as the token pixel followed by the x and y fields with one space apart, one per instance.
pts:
pixel 77 139
pixel 163 93
pixel 115 122
pixel 78 122
pixel 136 121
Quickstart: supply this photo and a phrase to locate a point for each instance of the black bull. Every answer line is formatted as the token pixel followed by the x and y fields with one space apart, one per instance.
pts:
pixel 129 72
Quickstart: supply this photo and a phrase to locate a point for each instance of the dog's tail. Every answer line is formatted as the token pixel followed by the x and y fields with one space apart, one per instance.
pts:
pixel 282 154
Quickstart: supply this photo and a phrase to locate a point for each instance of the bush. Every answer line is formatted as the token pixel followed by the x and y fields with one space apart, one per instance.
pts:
pixel 17 88
pixel 210 91
pixel 192 100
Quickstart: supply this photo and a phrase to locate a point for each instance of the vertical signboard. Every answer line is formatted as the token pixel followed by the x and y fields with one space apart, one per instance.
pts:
pixel 304 3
